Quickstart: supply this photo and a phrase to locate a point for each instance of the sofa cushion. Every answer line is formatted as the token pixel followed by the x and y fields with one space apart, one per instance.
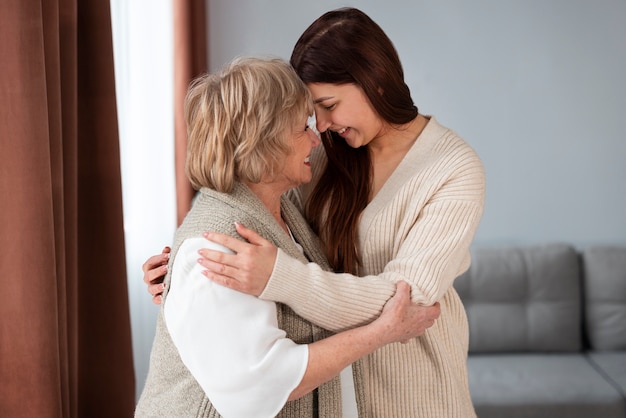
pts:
pixel 541 385
pixel 605 297
pixel 613 366
pixel 523 299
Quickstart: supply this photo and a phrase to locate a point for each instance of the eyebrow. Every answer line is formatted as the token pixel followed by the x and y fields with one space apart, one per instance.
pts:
pixel 322 99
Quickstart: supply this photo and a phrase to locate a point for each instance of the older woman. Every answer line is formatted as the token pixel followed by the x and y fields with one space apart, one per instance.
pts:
pixel 218 352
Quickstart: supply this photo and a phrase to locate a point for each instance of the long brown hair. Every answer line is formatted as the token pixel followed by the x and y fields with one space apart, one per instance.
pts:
pixel 345 46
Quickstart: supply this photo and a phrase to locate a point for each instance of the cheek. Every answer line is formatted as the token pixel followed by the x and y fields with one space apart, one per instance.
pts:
pixel 371 124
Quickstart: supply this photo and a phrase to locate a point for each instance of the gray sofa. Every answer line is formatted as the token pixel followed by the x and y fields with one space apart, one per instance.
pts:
pixel 547 331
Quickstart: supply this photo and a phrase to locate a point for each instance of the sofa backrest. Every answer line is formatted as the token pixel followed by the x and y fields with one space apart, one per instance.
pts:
pixel 604 270
pixel 523 299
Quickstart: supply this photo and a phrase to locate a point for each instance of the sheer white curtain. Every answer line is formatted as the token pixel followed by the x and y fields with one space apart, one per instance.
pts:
pixel 143 50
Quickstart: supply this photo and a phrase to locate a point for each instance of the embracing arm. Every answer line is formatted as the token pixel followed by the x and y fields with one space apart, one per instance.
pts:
pixel 400 321
pixel 426 245
pixel 342 301
pixel 258 362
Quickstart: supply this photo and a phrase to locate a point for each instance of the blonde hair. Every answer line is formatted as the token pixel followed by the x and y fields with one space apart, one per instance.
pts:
pixel 239 120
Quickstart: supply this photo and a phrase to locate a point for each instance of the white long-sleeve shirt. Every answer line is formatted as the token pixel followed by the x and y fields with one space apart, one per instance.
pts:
pixel 230 341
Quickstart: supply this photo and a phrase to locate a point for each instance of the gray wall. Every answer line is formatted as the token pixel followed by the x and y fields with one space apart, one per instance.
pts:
pixel 535 86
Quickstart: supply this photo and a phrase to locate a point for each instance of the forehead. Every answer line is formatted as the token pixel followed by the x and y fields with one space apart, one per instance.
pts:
pixel 327 91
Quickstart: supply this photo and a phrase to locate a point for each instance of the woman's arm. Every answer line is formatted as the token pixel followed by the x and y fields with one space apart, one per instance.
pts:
pixel 332 301
pixel 430 249
pixel 400 321
pixel 232 345
pixel 229 341
pixel 327 299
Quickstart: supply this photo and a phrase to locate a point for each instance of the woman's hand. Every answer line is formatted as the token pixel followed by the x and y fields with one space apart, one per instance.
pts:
pixel 401 319
pixel 154 271
pixel 248 270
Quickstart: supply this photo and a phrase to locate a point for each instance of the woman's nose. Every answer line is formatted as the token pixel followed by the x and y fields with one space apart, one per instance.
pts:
pixel 314 137
pixel 322 123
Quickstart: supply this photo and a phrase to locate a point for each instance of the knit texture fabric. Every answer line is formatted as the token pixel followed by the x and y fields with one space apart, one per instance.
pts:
pixel 418 228
pixel 170 389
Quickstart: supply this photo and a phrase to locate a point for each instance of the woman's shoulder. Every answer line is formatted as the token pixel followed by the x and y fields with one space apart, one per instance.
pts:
pixel 218 212
pixel 442 142
pixel 440 156
pixel 209 211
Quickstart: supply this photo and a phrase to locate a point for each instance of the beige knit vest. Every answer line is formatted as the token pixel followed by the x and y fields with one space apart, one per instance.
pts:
pixel 170 389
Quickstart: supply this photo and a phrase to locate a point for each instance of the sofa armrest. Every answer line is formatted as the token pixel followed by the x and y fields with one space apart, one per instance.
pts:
pixel 605 297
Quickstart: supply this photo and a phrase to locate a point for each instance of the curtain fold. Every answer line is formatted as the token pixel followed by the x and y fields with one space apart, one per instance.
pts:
pixel 65 341
pixel 190 60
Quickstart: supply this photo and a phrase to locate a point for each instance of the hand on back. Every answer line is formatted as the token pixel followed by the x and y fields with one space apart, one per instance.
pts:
pixel 402 319
pixel 154 271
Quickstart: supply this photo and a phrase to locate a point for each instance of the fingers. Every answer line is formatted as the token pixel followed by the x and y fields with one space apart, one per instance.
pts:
pixel 157 293
pixel 156 260
pixel 241 275
pixel 397 306
pixel 402 297
pixel 227 282
pixel 427 313
pixel 156 289
pixel 434 311
pixel 155 275
pixel 230 277
pixel 250 266
pixel 403 289
pixel 402 320
pixel 422 317
pixel 154 271
pixel 227 241
pixel 235 244
pixel 250 235
pixel 427 316
pixel 217 262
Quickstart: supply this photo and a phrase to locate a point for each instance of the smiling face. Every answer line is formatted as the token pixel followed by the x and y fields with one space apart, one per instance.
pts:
pixel 297 168
pixel 345 109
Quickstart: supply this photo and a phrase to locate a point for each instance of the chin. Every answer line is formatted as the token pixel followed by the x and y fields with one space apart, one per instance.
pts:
pixel 352 143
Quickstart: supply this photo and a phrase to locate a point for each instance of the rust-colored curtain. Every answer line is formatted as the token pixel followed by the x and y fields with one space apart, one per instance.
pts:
pixel 190 60
pixel 65 341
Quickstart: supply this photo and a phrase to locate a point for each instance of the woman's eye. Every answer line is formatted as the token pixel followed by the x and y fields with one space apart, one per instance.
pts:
pixel 329 107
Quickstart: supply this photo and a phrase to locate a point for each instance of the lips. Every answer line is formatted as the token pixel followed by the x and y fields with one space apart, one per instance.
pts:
pixel 343 132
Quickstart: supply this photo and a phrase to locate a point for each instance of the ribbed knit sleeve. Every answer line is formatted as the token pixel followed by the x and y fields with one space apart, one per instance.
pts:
pixel 332 301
